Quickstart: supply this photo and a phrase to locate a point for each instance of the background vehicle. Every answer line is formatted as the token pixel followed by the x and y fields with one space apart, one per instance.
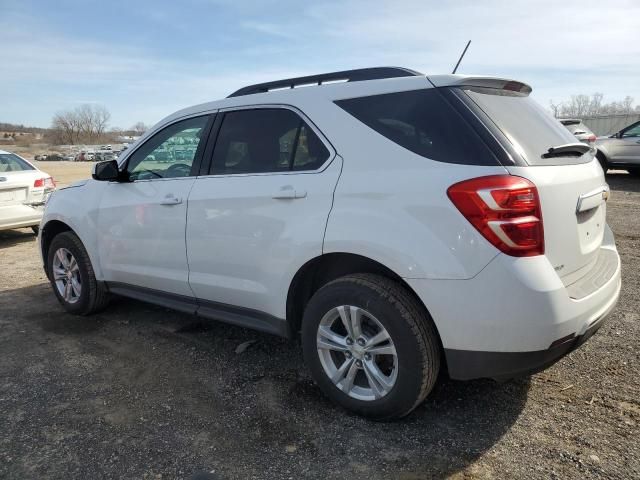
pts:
pixel 387 218
pixel 23 191
pixel 579 130
pixel 621 150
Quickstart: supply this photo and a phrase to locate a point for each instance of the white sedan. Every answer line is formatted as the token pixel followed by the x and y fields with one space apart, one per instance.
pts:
pixel 23 192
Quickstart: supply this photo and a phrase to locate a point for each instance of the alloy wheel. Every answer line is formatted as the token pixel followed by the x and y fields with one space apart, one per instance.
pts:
pixel 357 353
pixel 66 274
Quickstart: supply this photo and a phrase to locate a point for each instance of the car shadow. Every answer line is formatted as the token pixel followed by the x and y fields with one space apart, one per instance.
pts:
pixel 206 401
pixel 622 181
pixel 9 238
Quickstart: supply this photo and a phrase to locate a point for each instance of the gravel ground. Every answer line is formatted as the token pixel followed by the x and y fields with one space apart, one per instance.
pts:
pixel 143 392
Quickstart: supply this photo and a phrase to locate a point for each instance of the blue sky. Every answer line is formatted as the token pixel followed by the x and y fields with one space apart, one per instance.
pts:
pixel 144 59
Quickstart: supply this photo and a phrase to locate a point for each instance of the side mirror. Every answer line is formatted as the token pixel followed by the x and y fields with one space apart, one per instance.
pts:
pixel 106 171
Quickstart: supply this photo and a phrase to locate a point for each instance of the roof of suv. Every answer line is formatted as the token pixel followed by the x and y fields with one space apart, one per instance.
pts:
pixel 341 85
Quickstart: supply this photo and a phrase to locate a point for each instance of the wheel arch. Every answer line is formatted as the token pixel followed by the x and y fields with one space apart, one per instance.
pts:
pixel 327 267
pixel 47 233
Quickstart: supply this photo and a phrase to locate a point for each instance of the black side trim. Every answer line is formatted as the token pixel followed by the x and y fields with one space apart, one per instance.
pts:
pixel 169 300
pixel 468 364
pixel 240 316
pixel 243 317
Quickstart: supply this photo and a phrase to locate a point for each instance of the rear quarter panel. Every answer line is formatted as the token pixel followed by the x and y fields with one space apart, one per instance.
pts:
pixel 391 205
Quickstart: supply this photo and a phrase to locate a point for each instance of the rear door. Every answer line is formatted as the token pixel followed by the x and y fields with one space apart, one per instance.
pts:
pixel 572 187
pixel 262 211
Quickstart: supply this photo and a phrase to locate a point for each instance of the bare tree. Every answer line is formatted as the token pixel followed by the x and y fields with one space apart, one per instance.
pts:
pixel 139 128
pixel 86 123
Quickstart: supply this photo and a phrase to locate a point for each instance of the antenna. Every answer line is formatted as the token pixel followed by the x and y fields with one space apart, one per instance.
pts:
pixel 461 56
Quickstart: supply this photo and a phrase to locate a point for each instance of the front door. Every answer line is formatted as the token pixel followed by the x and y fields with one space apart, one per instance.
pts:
pixel 141 222
pixel 626 148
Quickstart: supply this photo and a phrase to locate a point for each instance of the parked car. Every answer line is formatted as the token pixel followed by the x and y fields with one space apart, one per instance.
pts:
pixel 621 150
pixel 402 234
pixel 23 192
pixel 579 130
pixel 51 157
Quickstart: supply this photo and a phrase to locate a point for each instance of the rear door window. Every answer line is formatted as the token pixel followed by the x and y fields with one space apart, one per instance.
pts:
pixel 13 163
pixel 424 122
pixel 528 127
pixel 266 140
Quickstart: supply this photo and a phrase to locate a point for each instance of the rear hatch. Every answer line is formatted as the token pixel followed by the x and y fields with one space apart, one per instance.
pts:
pixel 570 183
pixel 14 188
pixel 18 182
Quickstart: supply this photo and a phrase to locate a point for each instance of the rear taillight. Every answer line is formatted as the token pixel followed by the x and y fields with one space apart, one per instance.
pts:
pixel 47 183
pixel 505 209
pixel 591 138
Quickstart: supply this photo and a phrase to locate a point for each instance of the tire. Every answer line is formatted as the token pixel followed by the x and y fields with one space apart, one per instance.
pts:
pixel 90 295
pixel 35 229
pixel 383 304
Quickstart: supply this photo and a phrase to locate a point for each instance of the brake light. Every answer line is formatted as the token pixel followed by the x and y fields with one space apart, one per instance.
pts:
pixel 47 183
pixel 591 138
pixel 505 209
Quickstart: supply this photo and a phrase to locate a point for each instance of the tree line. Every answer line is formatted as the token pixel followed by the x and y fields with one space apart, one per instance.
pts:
pixel 581 106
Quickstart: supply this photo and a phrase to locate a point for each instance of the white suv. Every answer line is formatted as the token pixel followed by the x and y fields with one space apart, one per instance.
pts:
pixel 403 224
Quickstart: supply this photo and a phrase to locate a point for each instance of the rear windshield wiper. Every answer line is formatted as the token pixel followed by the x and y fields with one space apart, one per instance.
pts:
pixel 568 150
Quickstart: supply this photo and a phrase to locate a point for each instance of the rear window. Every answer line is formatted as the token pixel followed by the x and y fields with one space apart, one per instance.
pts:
pixel 423 122
pixel 530 129
pixel 13 163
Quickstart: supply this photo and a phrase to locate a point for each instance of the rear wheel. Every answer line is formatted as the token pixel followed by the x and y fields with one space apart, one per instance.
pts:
pixel 370 346
pixel 72 277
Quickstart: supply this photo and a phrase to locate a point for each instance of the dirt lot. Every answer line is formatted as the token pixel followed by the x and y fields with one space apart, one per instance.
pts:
pixel 143 392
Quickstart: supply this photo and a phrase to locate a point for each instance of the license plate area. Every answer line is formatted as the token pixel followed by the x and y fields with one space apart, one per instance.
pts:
pixel 591 225
pixel 13 196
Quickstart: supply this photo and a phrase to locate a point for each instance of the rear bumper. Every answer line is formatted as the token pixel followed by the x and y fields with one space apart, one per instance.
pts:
pixel 19 216
pixel 516 316
pixel 469 364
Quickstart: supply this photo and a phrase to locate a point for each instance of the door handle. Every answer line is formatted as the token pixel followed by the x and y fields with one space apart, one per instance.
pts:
pixel 170 200
pixel 289 193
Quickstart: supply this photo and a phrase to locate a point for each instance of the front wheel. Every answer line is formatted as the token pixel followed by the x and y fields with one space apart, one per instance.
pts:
pixel 371 346
pixel 72 277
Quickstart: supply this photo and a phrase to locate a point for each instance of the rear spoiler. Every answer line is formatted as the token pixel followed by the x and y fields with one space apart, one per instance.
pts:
pixel 481 82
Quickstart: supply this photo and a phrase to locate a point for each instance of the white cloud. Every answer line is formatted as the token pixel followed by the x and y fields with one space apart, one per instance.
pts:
pixel 560 48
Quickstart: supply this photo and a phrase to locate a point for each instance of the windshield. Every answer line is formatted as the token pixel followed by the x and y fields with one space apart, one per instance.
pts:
pixel 13 163
pixel 530 129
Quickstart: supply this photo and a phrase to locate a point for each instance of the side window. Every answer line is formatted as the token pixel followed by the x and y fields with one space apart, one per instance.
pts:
pixel 310 153
pixel 169 153
pixel 633 131
pixel 266 140
pixel 421 121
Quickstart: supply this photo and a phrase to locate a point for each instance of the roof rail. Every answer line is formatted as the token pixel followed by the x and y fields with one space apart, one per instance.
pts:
pixel 357 75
